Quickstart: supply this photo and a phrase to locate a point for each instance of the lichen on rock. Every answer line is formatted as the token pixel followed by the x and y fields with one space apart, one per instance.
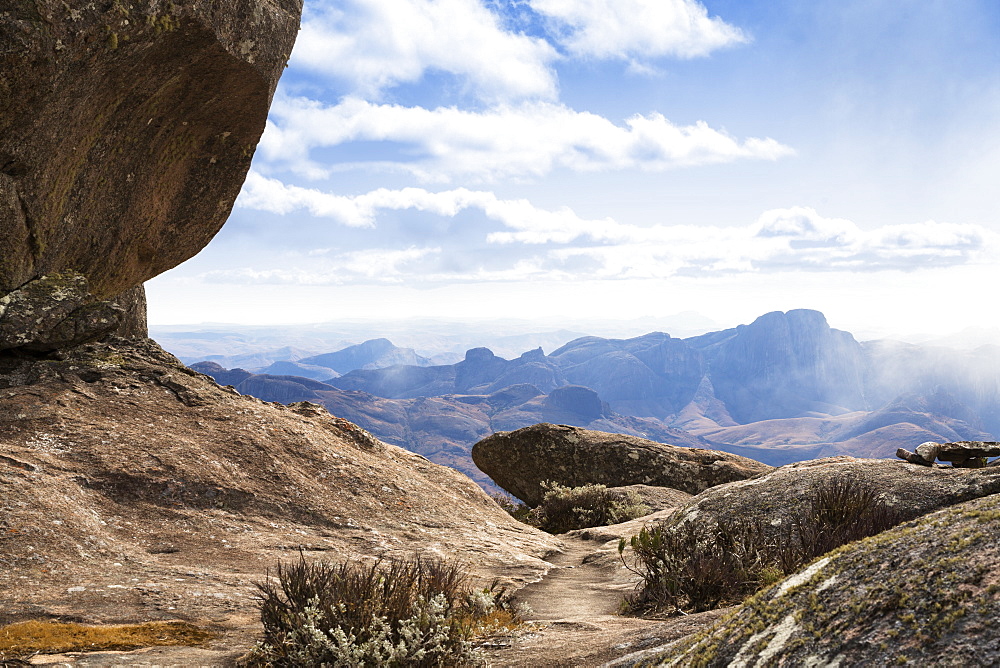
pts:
pixel 55 311
pixel 924 593
pixel 519 461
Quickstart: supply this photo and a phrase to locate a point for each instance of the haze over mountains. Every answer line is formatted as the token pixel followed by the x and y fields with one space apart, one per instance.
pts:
pixel 444 341
pixel 784 388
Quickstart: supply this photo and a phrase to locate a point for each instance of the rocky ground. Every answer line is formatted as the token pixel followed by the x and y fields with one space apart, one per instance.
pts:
pixel 926 593
pixel 575 618
pixel 134 489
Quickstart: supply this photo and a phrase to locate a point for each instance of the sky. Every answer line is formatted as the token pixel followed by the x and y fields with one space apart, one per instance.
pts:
pixel 618 159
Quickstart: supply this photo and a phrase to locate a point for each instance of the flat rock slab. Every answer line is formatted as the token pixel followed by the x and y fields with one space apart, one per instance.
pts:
pixel 148 657
pixel 776 497
pixel 134 489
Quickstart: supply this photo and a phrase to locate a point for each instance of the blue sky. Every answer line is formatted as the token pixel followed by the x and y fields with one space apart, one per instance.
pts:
pixel 620 159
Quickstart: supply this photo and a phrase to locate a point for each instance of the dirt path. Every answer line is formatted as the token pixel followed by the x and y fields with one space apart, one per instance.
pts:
pixel 584 583
pixel 574 619
pixel 575 605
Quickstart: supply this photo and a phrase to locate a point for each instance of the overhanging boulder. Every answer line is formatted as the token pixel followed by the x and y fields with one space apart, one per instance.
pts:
pixel 519 461
pixel 126 131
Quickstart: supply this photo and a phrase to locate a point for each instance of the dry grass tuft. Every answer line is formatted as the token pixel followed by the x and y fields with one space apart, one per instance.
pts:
pixel 55 637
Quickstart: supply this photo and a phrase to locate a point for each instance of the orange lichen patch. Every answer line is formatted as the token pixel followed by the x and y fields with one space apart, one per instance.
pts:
pixel 53 637
pixel 499 623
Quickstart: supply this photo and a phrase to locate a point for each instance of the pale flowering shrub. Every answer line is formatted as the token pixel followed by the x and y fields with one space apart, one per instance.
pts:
pixel 417 612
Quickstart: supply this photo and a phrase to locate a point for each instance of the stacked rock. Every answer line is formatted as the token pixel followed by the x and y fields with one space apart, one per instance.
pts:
pixel 961 454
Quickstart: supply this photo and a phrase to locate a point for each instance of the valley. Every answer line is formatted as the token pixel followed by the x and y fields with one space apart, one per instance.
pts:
pixel 785 388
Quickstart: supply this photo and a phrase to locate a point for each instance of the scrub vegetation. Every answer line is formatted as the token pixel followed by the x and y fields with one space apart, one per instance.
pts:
pixel 695 566
pixel 567 508
pixel 419 611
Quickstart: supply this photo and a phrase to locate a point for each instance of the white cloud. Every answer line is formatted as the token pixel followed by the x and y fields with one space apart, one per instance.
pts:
pixel 375 265
pixel 377 44
pixel 526 140
pixel 792 239
pixel 266 194
pixel 627 29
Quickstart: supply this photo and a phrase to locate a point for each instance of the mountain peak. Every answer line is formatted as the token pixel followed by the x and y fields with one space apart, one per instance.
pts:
pixel 479 355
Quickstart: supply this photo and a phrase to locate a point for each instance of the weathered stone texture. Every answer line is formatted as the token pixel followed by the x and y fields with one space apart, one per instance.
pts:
pixel 777 497
pixel 127 129
pixel 134 324
pixel 52 312
pixel 519 461
pixel 922 594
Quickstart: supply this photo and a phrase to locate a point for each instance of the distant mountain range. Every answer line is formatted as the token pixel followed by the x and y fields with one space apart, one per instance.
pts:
pixel 784 388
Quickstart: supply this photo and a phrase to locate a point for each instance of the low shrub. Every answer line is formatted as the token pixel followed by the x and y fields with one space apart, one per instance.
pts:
pixel 413 612
pixel 696 567
pixel 566 508
pixel 840 511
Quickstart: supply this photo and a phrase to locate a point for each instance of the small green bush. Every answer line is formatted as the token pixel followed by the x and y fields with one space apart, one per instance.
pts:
pixel 696 567
pixel 416 612
pixel 566 508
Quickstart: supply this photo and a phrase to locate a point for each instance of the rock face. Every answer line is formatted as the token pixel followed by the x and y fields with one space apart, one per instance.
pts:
pixel 52 312
pixel 653 374
pixel 126 131
pixel 521 460
pixel 786 364
pixel 134 488
pixel 774 497
pixel 924 594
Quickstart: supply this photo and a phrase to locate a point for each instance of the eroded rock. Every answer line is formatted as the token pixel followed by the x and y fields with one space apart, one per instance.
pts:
pixel 162 495
pixel 922 594
pixel 55 311
pixel 961 454
pixel 126 131
pixel 519 461
pixel 776 497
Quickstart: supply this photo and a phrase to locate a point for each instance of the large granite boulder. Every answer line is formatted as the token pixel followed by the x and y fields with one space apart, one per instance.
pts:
pixel 777 496
pixel 520 460
pixel 922 594
pixel 126 131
